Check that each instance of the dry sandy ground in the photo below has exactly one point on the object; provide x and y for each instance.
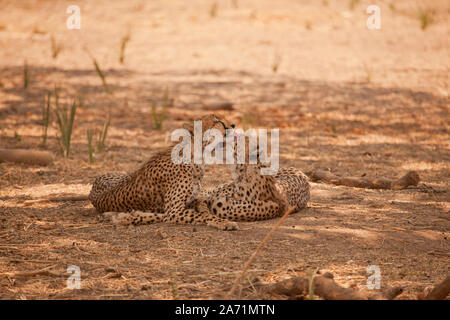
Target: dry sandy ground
(348, 99)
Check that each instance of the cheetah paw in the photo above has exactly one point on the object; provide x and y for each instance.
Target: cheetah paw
(119, 217)
(109, 214)
(231, 225)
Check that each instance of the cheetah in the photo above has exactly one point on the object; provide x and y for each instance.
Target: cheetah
(252, 196)
(159, 190)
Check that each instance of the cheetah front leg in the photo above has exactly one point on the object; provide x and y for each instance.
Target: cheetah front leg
(134, 218)
(197, 176)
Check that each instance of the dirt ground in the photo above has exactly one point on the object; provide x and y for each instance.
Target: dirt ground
(346, 99)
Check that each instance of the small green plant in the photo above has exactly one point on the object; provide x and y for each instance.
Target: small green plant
(17, 136)
(352, 4)
(101, 139)
(368, 73)
(90, 146)
(311, 285)
(102, 135)
(102, 76)
(249, 120)
(158, 118)
(46, 116)
(80, 99)
(308, 25)
(66, 119)
(426, 17)
(26, 75)
(276, 63)
(213, 10)
(56, 47)
(123, 45)
(57, 91)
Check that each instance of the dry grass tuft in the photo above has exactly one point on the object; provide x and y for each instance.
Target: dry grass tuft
(426, 17)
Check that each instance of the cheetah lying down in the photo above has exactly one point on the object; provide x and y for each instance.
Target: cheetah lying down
(252, 196)
(252, 200)
(159, 189)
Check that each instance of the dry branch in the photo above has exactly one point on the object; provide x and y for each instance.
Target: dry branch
(41, 272)
(441, 291)
(409, 179)
(255, 253)
(26, 156)
(58, 199)
(324, 287)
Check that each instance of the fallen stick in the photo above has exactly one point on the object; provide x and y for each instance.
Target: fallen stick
(324, 287)
(409, 179)
(26, 156)
(441, 291)
(59, 199)
(255, 253)
(41, 272)
(28, 260)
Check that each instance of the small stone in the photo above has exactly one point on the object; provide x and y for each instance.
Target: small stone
(162, 234)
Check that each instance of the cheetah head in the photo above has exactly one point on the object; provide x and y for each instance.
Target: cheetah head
(218, 124)
(211, 121)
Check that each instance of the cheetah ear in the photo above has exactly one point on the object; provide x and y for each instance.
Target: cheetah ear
(189, 126)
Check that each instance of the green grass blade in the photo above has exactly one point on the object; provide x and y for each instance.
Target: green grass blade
(46, 116)
(103, 134)
(26, 75)
(102, 76)
(66, 119)
(91, 149)
(123, 46)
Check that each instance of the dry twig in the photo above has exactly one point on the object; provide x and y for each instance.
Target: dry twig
(41, 272)
(409, 179)
(26, 156)
(253, 256)
(324, 287)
